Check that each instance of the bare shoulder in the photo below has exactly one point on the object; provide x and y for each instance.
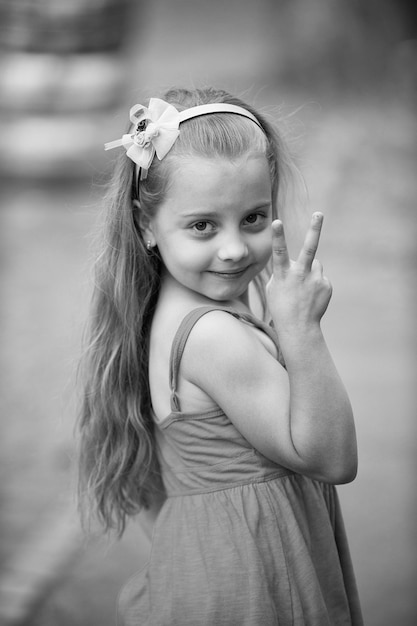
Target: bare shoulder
(214, 327)
(222, 342)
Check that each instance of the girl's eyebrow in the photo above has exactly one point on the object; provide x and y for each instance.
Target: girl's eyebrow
(217, 212)
(200, 213)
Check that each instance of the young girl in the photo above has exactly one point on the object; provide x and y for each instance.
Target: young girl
(211, 400)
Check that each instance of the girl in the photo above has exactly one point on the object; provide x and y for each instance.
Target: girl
(211, 400)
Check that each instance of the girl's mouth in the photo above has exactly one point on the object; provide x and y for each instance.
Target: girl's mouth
(235, 273)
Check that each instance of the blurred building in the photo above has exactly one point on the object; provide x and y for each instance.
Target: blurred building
(64, 64)
(62, 73)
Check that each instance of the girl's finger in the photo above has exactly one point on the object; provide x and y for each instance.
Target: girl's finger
(311, 242)
(280, 256)
(317, 267)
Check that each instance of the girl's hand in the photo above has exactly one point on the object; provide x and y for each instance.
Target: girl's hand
(298, 294)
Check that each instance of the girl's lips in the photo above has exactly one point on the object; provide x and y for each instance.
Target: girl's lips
(229, 273)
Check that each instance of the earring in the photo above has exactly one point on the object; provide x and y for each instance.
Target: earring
(149, 245)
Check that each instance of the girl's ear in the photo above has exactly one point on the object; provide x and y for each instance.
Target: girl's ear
(144, 224)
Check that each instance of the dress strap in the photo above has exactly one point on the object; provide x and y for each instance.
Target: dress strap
(183, 333)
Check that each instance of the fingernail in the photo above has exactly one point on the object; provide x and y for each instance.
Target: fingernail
(317, 216)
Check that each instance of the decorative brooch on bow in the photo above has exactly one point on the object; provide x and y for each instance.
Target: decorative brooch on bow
(155, 130)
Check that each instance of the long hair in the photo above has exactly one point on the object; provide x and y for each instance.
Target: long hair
(118, 466)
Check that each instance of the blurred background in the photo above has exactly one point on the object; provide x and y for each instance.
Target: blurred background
(344, 73)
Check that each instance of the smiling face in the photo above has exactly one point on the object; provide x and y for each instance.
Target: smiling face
(213, 230)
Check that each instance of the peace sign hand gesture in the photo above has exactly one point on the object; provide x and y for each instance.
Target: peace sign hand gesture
(298, 294)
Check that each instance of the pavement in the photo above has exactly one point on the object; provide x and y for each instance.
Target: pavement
(358, 162)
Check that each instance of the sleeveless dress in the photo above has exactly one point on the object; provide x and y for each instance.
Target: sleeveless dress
(240, 540)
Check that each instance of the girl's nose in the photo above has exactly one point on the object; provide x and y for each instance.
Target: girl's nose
(232, 248)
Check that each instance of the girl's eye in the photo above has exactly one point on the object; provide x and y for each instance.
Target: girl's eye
(203, 227)
(255, 219)
(200, 226)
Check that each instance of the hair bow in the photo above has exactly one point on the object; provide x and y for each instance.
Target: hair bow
(155, 130)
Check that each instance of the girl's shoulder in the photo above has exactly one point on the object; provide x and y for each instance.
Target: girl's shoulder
(188, 343)
(225, 333)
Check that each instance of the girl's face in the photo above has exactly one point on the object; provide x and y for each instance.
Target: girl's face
(213, 230)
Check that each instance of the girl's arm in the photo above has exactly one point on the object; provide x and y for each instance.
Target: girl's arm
(298, 296)
(300, 417)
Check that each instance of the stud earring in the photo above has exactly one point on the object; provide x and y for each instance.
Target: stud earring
(149, 246)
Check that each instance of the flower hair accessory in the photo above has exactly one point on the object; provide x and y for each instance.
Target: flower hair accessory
(156, 129)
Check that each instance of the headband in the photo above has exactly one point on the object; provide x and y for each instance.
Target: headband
(156, 129)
